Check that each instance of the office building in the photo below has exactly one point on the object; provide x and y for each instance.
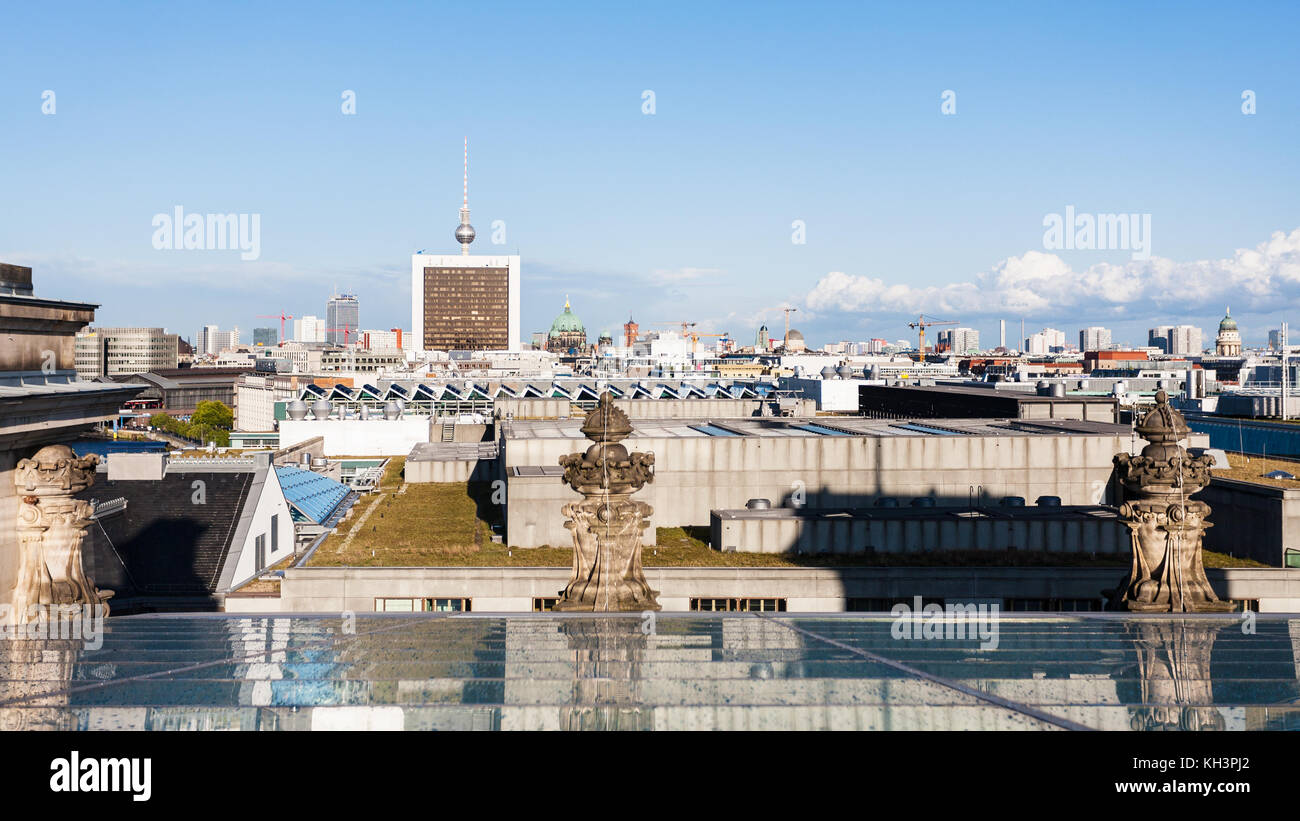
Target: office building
(212, 340)
(959, 340)
(1185, 340)
(342, 318)
(1046, 341)
(1094, 339)
(379, 340)
(309, 329)
(117, 351)
(267, 337)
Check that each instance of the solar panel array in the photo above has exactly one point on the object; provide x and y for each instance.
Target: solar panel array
(310, 494)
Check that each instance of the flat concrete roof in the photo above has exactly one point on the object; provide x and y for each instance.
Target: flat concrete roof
(818, 426)
(1019, 395)
(452, 451)
(1054, 513)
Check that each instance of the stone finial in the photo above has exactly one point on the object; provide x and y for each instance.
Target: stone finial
(1166, 527)
(607, 524)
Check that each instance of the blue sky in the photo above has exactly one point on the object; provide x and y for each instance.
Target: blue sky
(764, 114)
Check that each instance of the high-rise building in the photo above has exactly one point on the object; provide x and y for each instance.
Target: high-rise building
(1094, 339)
(1002, 333)
(1046, 341)
(342, 318)
(464, 302)
(1275, 339)
(309, 329)
(380, 340)
(960, 340)
(267, 337)
(212, 340)
(1183, 340)
(1158, 337)
(117, 351)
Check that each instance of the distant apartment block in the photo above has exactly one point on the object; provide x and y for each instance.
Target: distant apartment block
(377, 340)
(118, 351)
(1179, 340)
(960, 340)
(1094, 339)
(212, 340)
(1046, 341)
(309, 329)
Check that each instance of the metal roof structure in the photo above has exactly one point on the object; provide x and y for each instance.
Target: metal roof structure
(310, 495)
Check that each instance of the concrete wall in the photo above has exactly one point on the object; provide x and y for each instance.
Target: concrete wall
(532, 408)
(358, 437)
(694, 476)
(448, 470)
(789, 531)
(502, 589)
(1252, 521)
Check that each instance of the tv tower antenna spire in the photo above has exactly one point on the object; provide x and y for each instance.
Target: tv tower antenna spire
(465, 233)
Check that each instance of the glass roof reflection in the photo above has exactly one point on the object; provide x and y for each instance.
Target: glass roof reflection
(675, 672)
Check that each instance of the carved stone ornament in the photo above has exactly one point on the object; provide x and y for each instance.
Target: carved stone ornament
(1166, 526)
(607, 524)
(51, 527)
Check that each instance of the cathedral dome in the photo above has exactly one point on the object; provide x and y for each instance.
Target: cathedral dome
(1227, 323)
(567, 323)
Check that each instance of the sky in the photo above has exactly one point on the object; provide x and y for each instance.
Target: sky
(862, 163)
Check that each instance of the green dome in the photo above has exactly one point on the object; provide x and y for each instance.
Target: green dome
(1227, 323)
(567, 323)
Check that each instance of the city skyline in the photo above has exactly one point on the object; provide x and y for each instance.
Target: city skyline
(668, 204)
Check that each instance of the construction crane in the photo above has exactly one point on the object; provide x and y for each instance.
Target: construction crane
(686, 326)
(282, 316)
(921, 324)
(695, 338)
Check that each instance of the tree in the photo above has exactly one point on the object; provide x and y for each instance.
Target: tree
(213, 414)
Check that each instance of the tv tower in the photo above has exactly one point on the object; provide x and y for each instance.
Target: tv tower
(465, 233)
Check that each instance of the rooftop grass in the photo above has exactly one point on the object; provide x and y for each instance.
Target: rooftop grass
(1252, 469)
(441, 525)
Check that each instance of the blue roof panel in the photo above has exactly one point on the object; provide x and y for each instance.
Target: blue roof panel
(312, 495)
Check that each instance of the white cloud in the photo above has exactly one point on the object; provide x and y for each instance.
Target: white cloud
(1264, 277)
(683, 274)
